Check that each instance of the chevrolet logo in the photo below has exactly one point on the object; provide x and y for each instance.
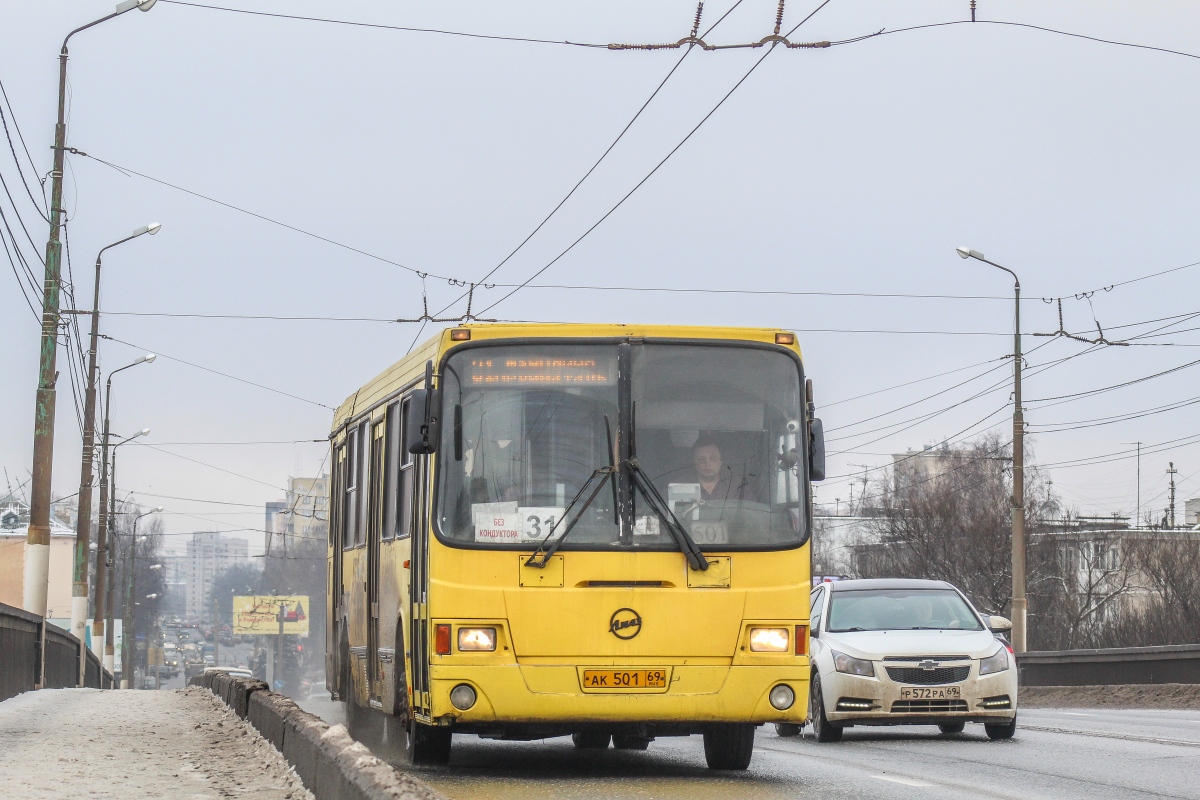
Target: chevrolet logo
(928, 664)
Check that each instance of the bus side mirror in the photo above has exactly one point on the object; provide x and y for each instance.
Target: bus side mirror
(421, 418)
(816, 450)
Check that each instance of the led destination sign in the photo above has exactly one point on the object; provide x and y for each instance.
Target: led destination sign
(537, 370)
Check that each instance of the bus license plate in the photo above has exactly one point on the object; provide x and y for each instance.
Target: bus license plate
(600, 679)
(928, 693)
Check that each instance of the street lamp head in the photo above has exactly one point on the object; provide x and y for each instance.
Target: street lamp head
(142, 432)
(157, 510)
(966, 252)
(154, 566)
(151, 229)
(151, 596)
(146, 359)
(141, 5)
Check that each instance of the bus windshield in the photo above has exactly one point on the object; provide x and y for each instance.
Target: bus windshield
(712, 429)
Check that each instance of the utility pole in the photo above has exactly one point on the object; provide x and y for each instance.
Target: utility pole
(1171, 471)
(37, 540)
(279, 650)
(1019, 606)
(83, 527)
(216, 632)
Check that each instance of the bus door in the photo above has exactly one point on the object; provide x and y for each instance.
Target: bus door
(418, 592)
(375, 678)
(333, 608)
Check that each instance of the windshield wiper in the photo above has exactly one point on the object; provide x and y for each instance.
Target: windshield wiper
(691, 551)
(608, 473)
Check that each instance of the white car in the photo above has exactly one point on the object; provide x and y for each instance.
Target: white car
(907, 652)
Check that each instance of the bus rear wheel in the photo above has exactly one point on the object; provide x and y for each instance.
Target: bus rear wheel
(426, 745)
(590, 740)
(629, 742)
(729, 745)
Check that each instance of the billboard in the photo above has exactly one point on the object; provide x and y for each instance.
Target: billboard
(260, 614)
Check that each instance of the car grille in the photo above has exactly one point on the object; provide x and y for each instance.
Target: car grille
(929, 677)
(927, 658)
(928, 706)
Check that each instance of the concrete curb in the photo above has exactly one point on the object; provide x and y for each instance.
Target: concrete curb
(331, 764)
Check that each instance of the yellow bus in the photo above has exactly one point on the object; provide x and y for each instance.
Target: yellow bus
(595, 531)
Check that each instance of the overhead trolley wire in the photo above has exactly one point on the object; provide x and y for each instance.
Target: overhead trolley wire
(218, 372)
(1042, 28)
(380, 26)
(603, 156)
(657, 166)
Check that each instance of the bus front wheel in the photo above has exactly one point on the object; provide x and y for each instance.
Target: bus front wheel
(729, 745)
(426, 745)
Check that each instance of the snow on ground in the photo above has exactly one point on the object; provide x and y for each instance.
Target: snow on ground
(73, 743)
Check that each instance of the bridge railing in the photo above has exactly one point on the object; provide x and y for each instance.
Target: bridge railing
(1178, 663)
(20, 637)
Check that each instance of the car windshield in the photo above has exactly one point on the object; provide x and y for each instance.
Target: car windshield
(900, 610)
(713, 430)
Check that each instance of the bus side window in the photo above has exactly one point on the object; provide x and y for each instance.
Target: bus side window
(362, 500)
(404, 479)
(350, 472)
(391, 469)
(336, 492)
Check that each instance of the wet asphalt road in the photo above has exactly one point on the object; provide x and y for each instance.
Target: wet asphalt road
(1067, 761)
(1084, 753)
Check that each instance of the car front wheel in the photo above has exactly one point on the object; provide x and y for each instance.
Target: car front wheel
(1002, 730)
(823, 729)
(952, 727)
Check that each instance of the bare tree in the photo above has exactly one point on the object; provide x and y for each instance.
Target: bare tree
(945, 515)
(1081, 581)
(1167, 610)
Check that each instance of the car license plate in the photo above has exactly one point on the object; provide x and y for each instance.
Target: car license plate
(930, 692)
(621, 679)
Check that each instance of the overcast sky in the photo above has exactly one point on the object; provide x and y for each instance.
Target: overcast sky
(852, 169)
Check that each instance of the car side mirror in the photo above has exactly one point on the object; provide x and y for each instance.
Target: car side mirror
(999, 624)
(816, 450)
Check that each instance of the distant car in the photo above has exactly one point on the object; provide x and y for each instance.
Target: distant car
(237, 672)
(907, 652)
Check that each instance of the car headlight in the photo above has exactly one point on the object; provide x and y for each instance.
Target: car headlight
(768, 640)
(476, 639)
(994, 663)
(852, 666)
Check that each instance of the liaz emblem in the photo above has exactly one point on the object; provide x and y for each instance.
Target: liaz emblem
(625, 623)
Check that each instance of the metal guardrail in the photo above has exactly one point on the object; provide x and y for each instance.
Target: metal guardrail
(1178, 663)
(20, 634)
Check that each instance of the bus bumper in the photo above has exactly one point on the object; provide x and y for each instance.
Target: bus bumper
(553, 694)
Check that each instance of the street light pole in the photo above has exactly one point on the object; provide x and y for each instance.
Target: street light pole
(128, 627)
(37, 550)
(102, 560)
(110, 658)
(1019, 606)
(83, 528)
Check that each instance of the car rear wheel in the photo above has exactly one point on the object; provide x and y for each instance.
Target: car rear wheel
(822, 728)
(952, 727)
(729, 745)
(589, 740)
(1003, 730)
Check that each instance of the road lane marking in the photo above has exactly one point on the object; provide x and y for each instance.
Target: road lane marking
(1105, 735)
(1077, 714)
(904, 781)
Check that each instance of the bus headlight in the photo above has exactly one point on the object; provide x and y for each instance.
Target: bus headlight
(768, 640)
(476, 640)
(782, 697)
(462, 697)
